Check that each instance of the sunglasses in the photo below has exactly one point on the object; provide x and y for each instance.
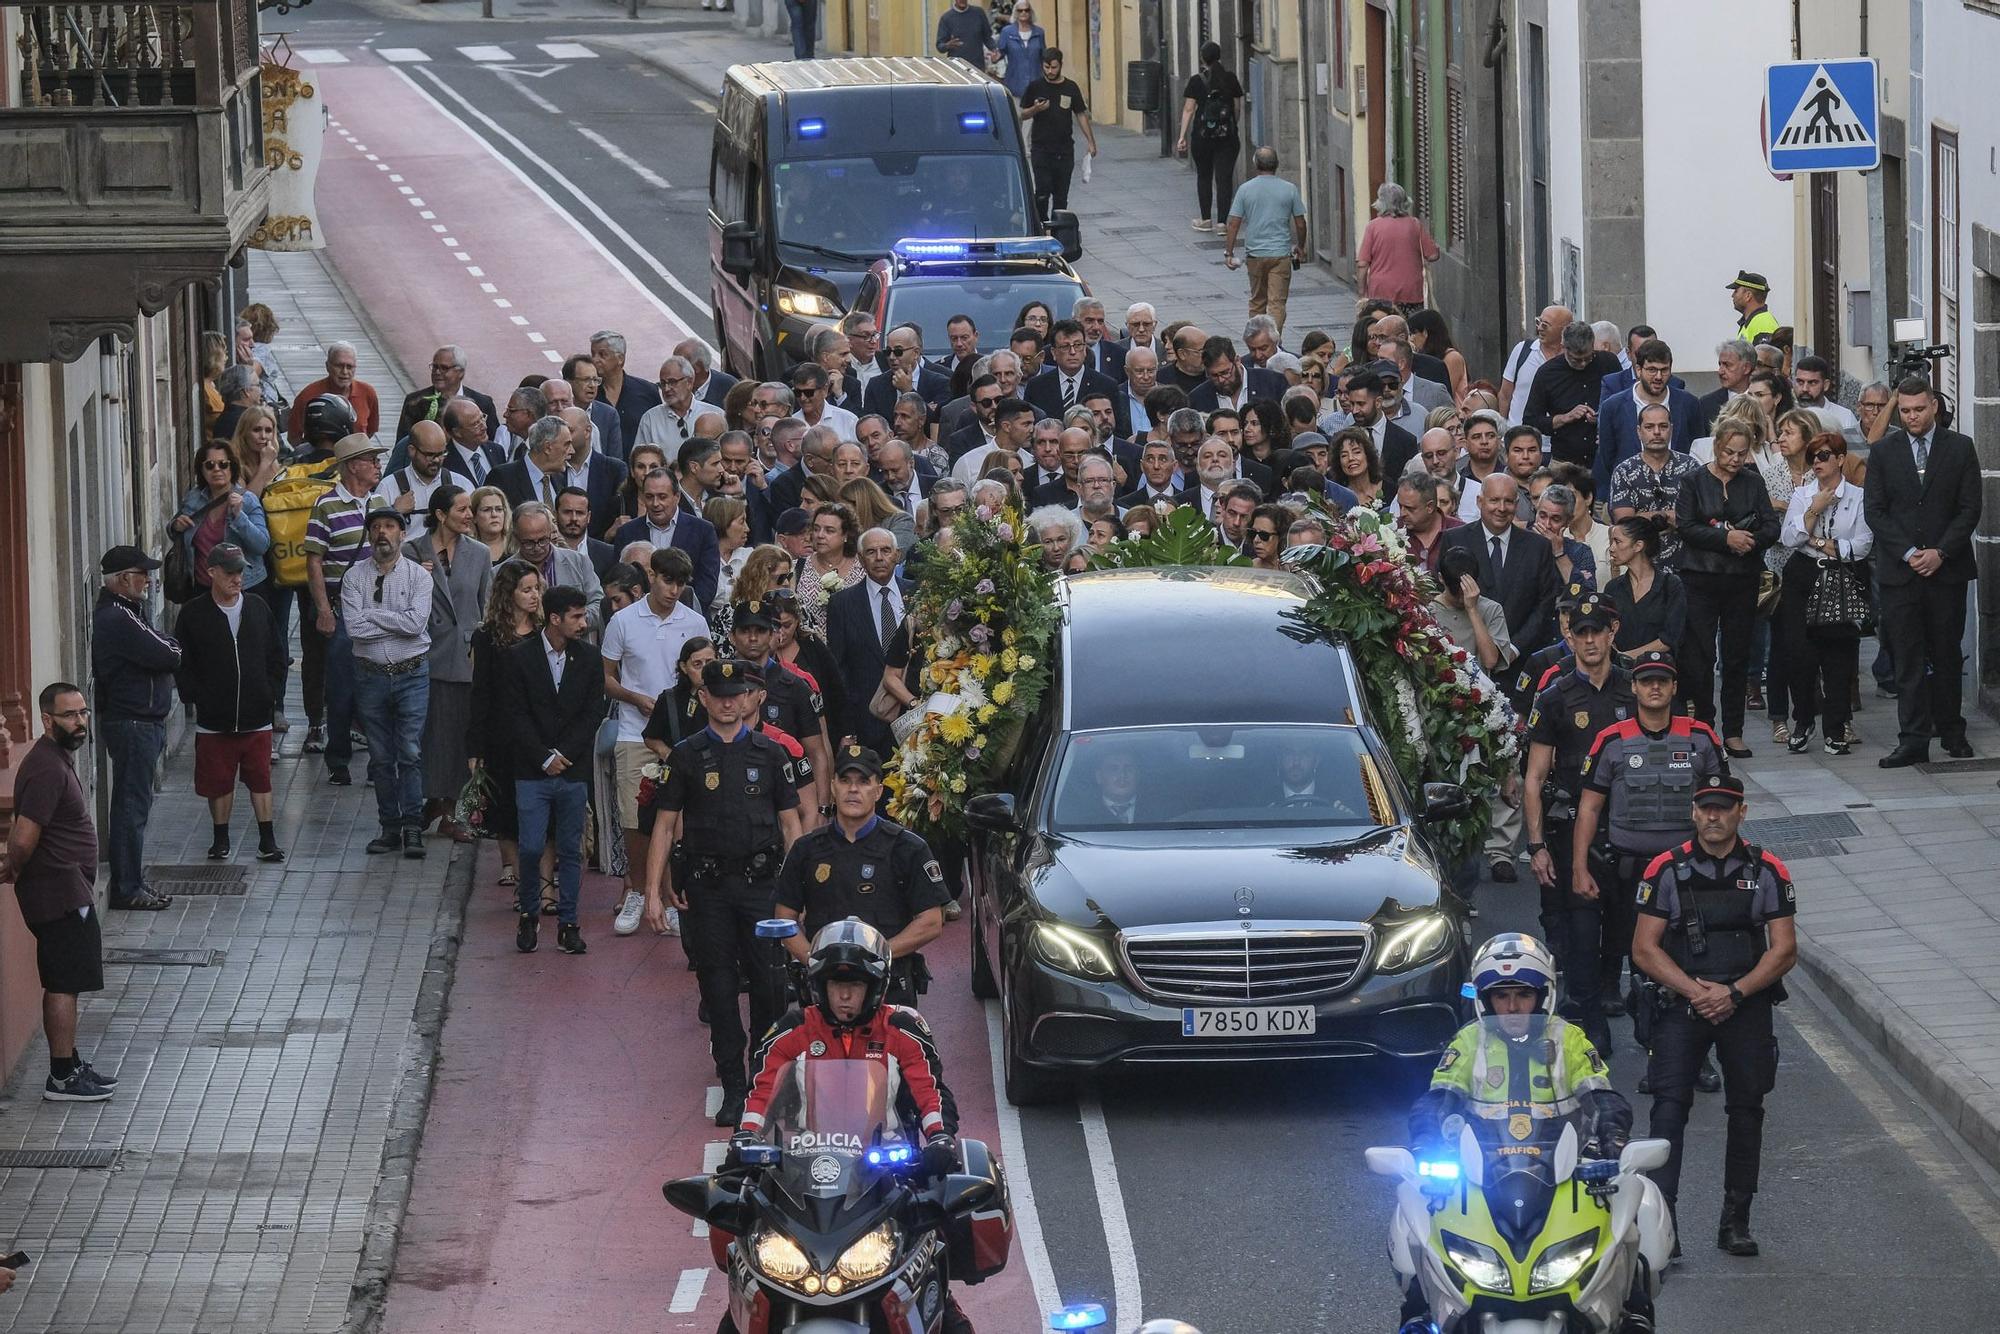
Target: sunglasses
(1263, 535)
(1822, 455)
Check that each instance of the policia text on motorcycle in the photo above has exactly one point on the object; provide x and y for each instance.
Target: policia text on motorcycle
(1715, 933)
(729, 798)
(863, 866)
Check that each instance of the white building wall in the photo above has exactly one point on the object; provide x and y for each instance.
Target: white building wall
(1961, 48)
(1565, 140)
(1711, 205)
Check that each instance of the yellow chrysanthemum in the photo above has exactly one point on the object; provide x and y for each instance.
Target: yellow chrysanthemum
(982, 665)
(955, 728)
(1003, 692)
(958, 783)
(1008, 637)
(987, 713)
(1009, 660)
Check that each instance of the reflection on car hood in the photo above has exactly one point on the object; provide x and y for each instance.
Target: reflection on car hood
(1152, 877)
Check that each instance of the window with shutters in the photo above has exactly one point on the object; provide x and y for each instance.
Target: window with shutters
(1420, 161)
(1454, 149)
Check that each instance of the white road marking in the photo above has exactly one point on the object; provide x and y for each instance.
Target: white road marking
(440, 228)
(552, 354)
(372, 158)
(1020, 1188)
(687, 1292)
(416, 202)
(449, 240)
(488, 288)
(1111, 1205)
(402, 55)
(522, 320)
(462, 258)
(567, 51)
(474, 269)
(427, 215)
(320, 55)
(503, 303)
(712, 1101)
(703, 105)
(396, 178)
(485, 53)
(536, 338)
(381, 166)
(638, 168)
(528, 93)
(695, 303)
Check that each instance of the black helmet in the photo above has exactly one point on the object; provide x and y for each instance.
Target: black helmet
(329, 417)
(849, 950)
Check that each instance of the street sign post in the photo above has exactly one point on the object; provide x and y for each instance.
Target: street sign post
(1822, 115)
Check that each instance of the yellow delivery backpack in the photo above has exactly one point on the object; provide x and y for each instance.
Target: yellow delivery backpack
(288, 504)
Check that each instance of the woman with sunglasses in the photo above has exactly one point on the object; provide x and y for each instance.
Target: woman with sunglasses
(1264, 540)
(1825, 530)
(219, 508)
(1021, 44)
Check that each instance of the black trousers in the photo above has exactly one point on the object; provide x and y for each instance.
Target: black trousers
(1619, 895)
(1573, 928)
(1747, 1051)
(1722, 605)
(1924, 621)
(1215, 175)
(1052, 172)
(312, 659)
(1821, 664)
(719, 927)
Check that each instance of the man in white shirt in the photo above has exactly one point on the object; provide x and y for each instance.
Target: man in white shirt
(642, 644)
(1013, 428)
(409, 488)
(809, 385)
(670, 424)
(386, 607)
(1528, 356)
(1810, 377)
(864, 341)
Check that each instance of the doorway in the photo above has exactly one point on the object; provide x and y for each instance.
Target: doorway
(1377, 89)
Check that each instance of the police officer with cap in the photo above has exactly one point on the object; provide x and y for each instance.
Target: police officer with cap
(1549, 661)
(1566, 718)
(789, 703)
(1716, 934)
(862, 865)
(1644, 771)
(729, 800)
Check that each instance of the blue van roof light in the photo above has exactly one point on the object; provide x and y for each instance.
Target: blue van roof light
(974, 122)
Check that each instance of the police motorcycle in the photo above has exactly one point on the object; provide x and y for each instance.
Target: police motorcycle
(833, 1226)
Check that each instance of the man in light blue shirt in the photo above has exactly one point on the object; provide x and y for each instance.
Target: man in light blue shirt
(1270, 216)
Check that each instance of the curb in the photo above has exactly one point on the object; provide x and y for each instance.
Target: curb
(411, 1106)
(1931, 1068)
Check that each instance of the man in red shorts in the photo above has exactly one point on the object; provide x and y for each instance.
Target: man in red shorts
(231, 662)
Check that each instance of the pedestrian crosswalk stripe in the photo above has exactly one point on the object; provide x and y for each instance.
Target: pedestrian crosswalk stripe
(402, 55)
(320, 55)
(485, 53)
(567, 51)
(687, 1291)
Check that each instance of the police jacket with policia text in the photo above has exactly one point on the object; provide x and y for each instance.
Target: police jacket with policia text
(1716, 908)
(1649, 780)
(1550, 1072)
(885, 876)
(894, 1037)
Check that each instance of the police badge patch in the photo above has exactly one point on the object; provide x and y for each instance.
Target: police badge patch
(1520, 1125)
(789, 777)
(714, 781)
(868, 870)
(1582, 719)
(751, 774)
(1450, 1059)
(935, 872)
(818, 1048)
(771, 712)
(823, 872)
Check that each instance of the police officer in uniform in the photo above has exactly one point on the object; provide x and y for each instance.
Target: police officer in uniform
(1716, 936)
(1644, 772)
(1549, 661)
(1566, 718)
(729, 801)
(864, 866)
(789, 703)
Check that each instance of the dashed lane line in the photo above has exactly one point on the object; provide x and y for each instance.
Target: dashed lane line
(1020, 1183)
(687, 1292)
(624, 159)
(1111, 1207)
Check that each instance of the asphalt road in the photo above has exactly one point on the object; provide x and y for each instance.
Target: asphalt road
(1236, 1197)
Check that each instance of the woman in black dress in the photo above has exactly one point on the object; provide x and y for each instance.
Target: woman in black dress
(1651, 602)
(513, 612)
(1726, 523)
(1211, 107)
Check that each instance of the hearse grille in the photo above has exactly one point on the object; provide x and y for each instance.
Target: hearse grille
(1250, 967)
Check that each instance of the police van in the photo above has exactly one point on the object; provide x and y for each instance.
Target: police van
(820, 166)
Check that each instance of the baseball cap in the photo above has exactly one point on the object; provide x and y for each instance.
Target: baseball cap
(751, 615)
(122, 558)
(1592, 613)
(1724, 791)
(858, 759)
(1385, 369)
(226, 556)
(726, 676)
(794, 521)
(1304, 440)
(1654, 662)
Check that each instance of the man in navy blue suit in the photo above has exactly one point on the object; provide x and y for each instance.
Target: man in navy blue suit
(473, 455)
(904, 372)
(1618, 414)
(1102, 353)
(589, 468)
(665, 524)
(573, 529)
(710, 386)
(1230, 383)
(860, 621)
(543, 471)
(1068, 380)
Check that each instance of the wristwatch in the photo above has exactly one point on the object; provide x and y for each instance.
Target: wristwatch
(1735, 996)
(1534, 848)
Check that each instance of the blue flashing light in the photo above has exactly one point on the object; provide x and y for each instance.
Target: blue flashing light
(777, 928)
(1438, 1171)
(974, 122)
(1078, 1315)
(1029, 245)
(812, 128)
(1468, 992)
(889, 1155)
(909, 248)
(1601, 1170)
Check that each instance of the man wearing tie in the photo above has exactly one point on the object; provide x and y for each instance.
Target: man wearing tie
(544, 472)
(860, 622)
(473, 456)
(1101, 352)
(1117, 799)
(1922, 502)
(1516, 569)
(1069, 381)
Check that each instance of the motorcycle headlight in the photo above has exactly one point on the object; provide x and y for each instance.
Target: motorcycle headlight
(810, 305)
(868, 1258)
(1413, 942)
(1478, 1262)
(1562, 1262)
(1072, 951)
(780, 1257)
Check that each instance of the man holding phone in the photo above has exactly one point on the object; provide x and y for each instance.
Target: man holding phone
(1562, 402)
(1056, 107)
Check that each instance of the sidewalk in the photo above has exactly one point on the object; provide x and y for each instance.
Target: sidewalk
(1137, 244)
(267, 1033)
(1899, 908)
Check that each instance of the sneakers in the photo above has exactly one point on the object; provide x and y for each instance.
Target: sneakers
(82, 1085)
(626, 920)
(674, 925)
(219, 852)
(339, 776)
(568, 939)
(1800, 739)
(528, 936)
(389, 840)
(1835, 746)
(315, 740)
(109, 1081)
(413, 843)
(144, 901)
(273, 853)
(1202, 225)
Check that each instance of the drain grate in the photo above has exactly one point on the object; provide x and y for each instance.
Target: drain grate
(1960, 767)
(59, 1157)
(198, 879)
(166, 958)
(1799, 828)
(1805, 849)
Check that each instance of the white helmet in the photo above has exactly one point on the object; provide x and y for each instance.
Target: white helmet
(1513, 959)
(1168, 1327)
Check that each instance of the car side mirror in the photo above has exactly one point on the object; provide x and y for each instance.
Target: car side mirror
(739, 249)
(993, 812)
(1063, 225)
(1445, 801)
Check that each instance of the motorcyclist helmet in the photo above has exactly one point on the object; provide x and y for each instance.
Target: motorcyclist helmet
(1513, 959)
(328, 417)
(849, 950)
(1168, 1327)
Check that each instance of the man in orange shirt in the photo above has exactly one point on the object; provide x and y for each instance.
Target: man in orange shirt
(339, 380)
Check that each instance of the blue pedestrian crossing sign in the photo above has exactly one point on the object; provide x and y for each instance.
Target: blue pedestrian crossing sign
(1822, 115)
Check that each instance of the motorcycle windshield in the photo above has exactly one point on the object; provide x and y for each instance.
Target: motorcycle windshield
(826, 1117)
(1519, 1098)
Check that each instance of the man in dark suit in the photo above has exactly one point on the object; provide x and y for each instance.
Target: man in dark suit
(859, 623)
(573, 513)
(544, 471)
(904, 372)
(665, 524)
(1393, 445)
(552, 697)
(1520, 573)
(1067, 381)
(601, 475)
(472, 456)
(1230, 382)
(710, 386)
(1922, 502)
(1735, 363)
(1101, 352)
(447, 383)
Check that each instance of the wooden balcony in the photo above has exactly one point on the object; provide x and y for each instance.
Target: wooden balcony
(131, 163)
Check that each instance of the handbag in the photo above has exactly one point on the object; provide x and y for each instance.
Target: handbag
(1839, 599)
(1770, 587)
(884, 706)
(177, 579)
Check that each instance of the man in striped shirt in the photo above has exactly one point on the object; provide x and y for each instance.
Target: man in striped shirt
(335, 543)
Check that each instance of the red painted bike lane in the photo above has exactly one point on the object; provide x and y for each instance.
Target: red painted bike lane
(442, 243)
(568, 1090)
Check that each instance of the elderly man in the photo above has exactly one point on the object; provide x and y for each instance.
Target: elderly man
(1142, 376)
(1214, 464)
(1423, 521)
(525, 407)
(334, 544)
(898, 472)
(447, 383)
(860, 622)
(1260, 340)
(710, 386)
(1007, 371)
(590, 471)
(1073, 445)
(630, 397)
(339, 380)
(473, 455)
(544, 471)
(906, 372)
(1516, 568)
(663, 523)
(535, 542)
(1096, 489)
(1155, 483)
(1102, 353)
(1141, 321)
(810, 384)
(580, 373)
(864, 345)
(386, 608)
(1183, 367)
(1735, 363)
(134, 667)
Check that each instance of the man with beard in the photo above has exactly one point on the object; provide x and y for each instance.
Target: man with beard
(1214, 464)
(409, 488)
(573, 531)
(386, 607)
(51, 860)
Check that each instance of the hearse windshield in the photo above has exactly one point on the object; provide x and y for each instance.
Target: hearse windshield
(855, 208)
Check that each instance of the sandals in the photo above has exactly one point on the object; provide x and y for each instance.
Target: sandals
(1780, 733)
(550, 899)
(509, 877)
